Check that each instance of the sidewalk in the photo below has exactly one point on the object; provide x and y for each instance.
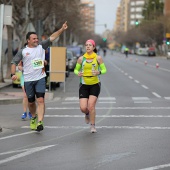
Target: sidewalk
(15, 97)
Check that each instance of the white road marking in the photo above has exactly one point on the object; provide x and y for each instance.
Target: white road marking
(167, 98)
(155, 94)
(70, 102)
(105, 127)
(107, 98)
(145, 87)
(112, 116)
(137, 81)
(141, 100)
(157, 167)
(130, 77)
(108, 102)
(21, 134)
(111, 108)
(21, 155)
(71, 98)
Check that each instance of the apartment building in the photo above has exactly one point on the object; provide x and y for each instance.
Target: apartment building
(124, 15)
(88, 12)
(117, 24)
(135, 12)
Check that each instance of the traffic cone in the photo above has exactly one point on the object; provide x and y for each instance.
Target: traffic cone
(157, 65)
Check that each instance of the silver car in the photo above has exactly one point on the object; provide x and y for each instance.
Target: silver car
(72, 60)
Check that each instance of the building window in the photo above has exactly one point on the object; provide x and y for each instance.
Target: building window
(139, 9)
(132, 9)
(140, 2)
(132, 16)
(132, 3)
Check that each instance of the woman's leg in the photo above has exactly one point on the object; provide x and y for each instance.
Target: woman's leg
(25, 100)
(91, 107)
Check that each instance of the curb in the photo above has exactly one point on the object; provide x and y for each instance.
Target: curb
(10, 101)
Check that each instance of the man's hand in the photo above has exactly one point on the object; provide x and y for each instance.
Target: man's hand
(64, 27)
(14, 77)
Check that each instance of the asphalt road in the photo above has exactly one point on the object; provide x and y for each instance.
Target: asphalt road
(133, 123)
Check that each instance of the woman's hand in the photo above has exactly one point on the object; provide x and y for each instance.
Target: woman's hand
(80, 74)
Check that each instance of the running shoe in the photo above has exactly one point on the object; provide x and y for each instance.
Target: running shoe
(24, 115)
(40, 126)
(29, 115)
(33, 123)
(87, 118)
(93, 129)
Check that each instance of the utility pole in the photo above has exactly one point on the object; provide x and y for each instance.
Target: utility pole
(1, 33)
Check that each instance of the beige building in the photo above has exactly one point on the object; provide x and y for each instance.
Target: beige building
(88, 12)
(124, 15)
(118, 20)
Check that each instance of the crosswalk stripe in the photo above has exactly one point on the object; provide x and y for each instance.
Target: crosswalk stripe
(105, 127)
(141, 100)
(111, 108)
(112, 116)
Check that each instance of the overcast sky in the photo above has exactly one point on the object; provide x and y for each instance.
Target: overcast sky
(105, 14)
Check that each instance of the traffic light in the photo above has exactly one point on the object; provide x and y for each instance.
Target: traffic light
(136, 22)
(104, 39)
(168, 41)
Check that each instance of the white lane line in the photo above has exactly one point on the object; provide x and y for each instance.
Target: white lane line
(113, 108)
(157, 167)
(112, 116)
(25, 153)
(107, 98)
(105, 127)
(71, 98)
(167, 98)
(155, 94)
(136, 81)
(145, 87)
(108, 102)
(130, 77)
(126, 74)
(141, 100)
(70, 102)
(21, 134)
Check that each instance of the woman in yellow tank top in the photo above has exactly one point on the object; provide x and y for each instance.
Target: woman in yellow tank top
(89, 67)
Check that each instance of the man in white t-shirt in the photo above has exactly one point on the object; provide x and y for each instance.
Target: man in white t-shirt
(33, 58)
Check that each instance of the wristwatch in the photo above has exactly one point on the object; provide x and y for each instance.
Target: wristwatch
(12, 75)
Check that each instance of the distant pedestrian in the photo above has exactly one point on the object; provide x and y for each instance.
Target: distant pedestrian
(126, 52)
(33, 58)
(89, 67)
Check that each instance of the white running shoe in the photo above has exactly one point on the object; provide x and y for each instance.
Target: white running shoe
(93, 129)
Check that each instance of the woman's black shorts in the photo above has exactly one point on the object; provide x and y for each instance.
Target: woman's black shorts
(86, 90)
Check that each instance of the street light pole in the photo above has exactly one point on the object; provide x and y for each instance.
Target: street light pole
(1, 32)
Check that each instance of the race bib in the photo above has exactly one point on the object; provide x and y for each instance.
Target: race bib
(37, 63)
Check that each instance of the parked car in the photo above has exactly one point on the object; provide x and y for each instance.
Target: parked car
(151, 51)
(67, 67)
(168, 54)
(72, 59)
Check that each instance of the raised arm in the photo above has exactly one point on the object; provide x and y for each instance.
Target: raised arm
(57, 33)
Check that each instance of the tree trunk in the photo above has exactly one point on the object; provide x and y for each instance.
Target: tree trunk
(10, 51)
